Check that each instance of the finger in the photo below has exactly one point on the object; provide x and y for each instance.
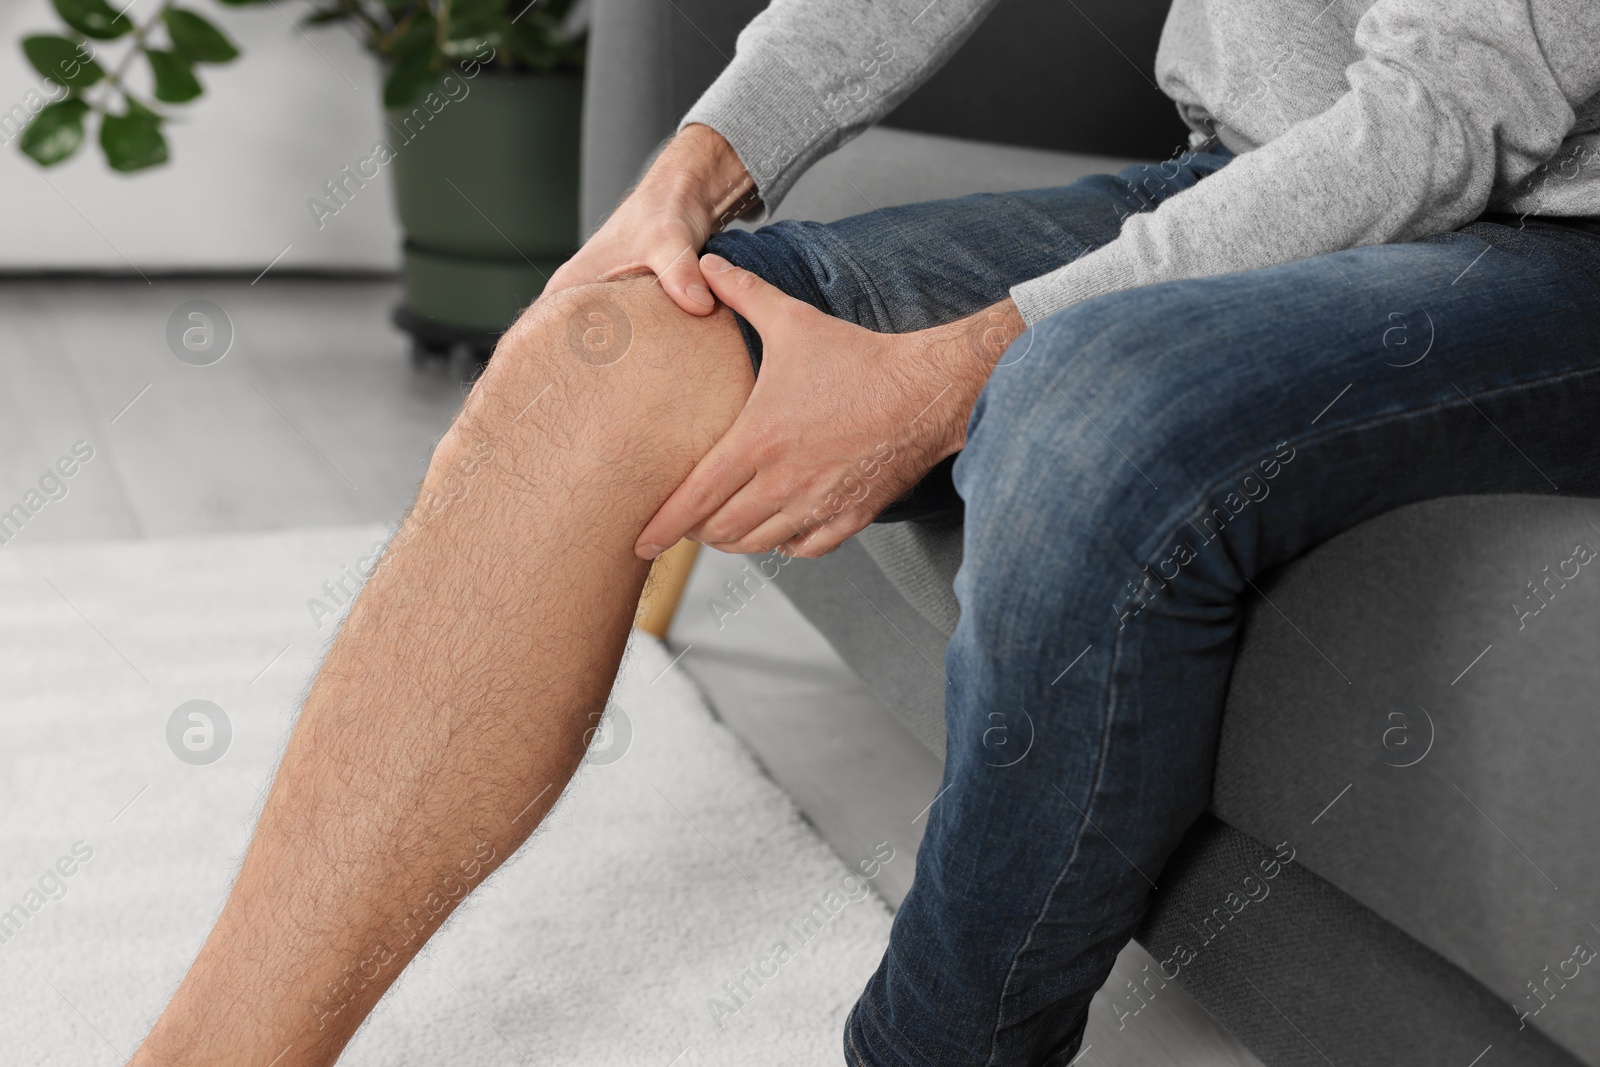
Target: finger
(580, 270)
(821, 532)
(746, 293)
(753, 504)
(714, 479)
(764, 537)
(567, 275)
(823, 539)
(683, 282)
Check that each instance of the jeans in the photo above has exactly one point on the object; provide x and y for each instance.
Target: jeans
(1134, 463)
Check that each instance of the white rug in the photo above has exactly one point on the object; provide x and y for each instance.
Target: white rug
(609, 939)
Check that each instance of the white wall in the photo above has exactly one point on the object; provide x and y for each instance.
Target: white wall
(272, 127)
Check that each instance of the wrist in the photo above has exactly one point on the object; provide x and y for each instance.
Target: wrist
(979, 342)
(969, 351)
(963, 353)
(699, 169)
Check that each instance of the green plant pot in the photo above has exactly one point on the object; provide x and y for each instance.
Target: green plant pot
(486, 181)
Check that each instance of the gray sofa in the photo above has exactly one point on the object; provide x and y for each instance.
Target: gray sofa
(1425, 746)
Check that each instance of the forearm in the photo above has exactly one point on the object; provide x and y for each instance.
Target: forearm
(809, 75)
(1416, 147)
(968, 350)
(955, 361)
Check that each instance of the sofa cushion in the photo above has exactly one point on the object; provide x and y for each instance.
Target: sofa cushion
(885, 167)
(1450, 785)
(1306, 976)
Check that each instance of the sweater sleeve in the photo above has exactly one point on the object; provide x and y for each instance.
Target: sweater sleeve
(1448, 99)
(809, 75)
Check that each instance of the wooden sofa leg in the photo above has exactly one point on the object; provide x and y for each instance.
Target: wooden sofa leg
(668, 577)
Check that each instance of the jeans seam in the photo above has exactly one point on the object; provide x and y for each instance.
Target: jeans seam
(873, 1008)
(850, 1042)
(1109, 713)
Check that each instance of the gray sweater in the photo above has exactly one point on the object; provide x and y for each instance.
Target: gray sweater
(1358, 122)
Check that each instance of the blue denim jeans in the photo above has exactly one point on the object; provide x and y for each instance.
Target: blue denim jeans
(1132, 466)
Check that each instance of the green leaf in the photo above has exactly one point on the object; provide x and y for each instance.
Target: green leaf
(132, 142)
(479, 21)
(197, 40)
(62, 61)
(94, 18)
(55, 133)
(175, 80)
(407, 78)
(539, 43)
(326, 17)
(138, 110)
(418, 36)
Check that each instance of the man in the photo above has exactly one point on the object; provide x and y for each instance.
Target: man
(1159, 384)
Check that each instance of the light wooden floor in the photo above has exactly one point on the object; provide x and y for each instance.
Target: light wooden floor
(315, 417)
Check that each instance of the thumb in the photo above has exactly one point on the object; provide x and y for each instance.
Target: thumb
(683, 283)
(743, 291)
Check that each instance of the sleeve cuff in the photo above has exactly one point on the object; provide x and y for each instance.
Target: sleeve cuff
(1105, 270)
(772, 118)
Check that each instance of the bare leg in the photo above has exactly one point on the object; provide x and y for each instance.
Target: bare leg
(452, 708)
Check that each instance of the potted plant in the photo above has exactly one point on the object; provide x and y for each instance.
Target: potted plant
(482, 97)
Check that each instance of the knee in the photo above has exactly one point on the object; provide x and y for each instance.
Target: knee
(591, 325)
(1109, 426)
(577, 340)
(604, 370)
(1076, 408)
(1174, 374)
